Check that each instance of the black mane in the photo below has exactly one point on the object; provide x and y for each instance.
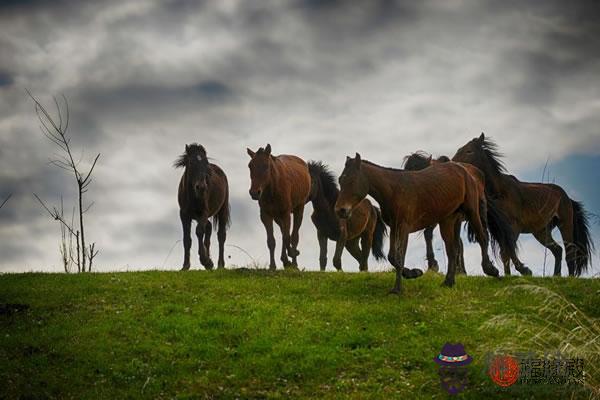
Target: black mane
(320, 170)
(417, 161)
(193, 149)
(490, 148)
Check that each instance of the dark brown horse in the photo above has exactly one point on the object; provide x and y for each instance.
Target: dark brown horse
(416, 162)
(410, 201)
(281, 184)
(535, 208)
(203, 193)
(364, 226)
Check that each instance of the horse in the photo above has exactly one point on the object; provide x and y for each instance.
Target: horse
(281, 185)
(535, 208)
(365, 225)
(203, 193)
(410, 201)
(416, 162)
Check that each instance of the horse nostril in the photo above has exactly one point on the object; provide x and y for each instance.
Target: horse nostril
(343, 212)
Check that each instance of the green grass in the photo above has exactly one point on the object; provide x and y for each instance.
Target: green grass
(256, 334)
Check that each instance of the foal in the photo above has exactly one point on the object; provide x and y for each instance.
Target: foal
(203, 193)
(281, 184)
(365, 225)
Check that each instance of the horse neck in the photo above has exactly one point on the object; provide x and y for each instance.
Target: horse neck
(492, 179)
(276, 172)
(321, 204)
(381, 181)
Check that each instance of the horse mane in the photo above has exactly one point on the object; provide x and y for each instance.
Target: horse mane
(193, 149)
(322, 171)
(379, 166)
(417, 161)
(490, 148)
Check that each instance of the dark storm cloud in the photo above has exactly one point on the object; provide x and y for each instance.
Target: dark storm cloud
(320, 79)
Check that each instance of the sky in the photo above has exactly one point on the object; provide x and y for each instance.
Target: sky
(318, 79)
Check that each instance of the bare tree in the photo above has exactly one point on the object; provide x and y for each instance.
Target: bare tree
(5, 200)
(55, 129)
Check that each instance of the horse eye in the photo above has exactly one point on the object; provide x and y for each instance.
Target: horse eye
(199, 158)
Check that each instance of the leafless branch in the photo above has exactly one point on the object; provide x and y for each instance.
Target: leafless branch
(5, 200)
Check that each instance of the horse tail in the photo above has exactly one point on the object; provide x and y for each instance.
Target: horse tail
(378, 235)
(496, 222)
(224, 214)
(581, 238)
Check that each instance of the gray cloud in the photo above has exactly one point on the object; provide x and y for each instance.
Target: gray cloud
(320, 79)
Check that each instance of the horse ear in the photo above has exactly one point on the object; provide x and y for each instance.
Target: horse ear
(357, 157)
(268, 149)
(482, 137)
(187, 148)
(250, 152)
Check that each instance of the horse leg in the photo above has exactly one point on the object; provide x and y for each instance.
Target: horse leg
(398, 244)
(221, 236)
(284, 225)
(566, 231)
(460, 257)
(366, 241)
(186, 223)
(519, 266)
(448, 232)
(505, 261)
(267, 221)
(545, 238)
(207, 235)
(340, 244)
(474, 217)
(202, 251)
(322, 249)
(354, 250)
(295, 238)
(432, 264)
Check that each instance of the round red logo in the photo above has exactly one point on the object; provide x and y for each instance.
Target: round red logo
(504, 370)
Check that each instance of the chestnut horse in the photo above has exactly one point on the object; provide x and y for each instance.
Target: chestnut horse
(416, 162)
(365, 225)
(410, 201)
(281, 184)
(535, 208)
(203, 193)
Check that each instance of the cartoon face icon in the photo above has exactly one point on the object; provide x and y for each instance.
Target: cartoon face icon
(453, 372)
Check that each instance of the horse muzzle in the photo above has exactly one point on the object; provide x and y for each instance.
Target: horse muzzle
(343, 212)
(255, 194)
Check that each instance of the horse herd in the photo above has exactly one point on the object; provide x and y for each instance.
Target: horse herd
(472, 187)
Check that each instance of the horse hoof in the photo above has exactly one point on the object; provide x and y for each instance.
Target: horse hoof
(447, 283)
(492, 271)
(525, 271)
(433, 267)
(185, 268)
(272, 267)
(395, 291)
(408, 273)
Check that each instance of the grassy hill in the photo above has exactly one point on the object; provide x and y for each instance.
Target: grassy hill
(255, 334)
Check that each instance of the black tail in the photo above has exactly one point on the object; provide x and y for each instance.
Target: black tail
(501, 233)
(224, 214)
(581, 238)
(378, 235)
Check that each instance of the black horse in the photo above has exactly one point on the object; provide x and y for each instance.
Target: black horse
(203, 193)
